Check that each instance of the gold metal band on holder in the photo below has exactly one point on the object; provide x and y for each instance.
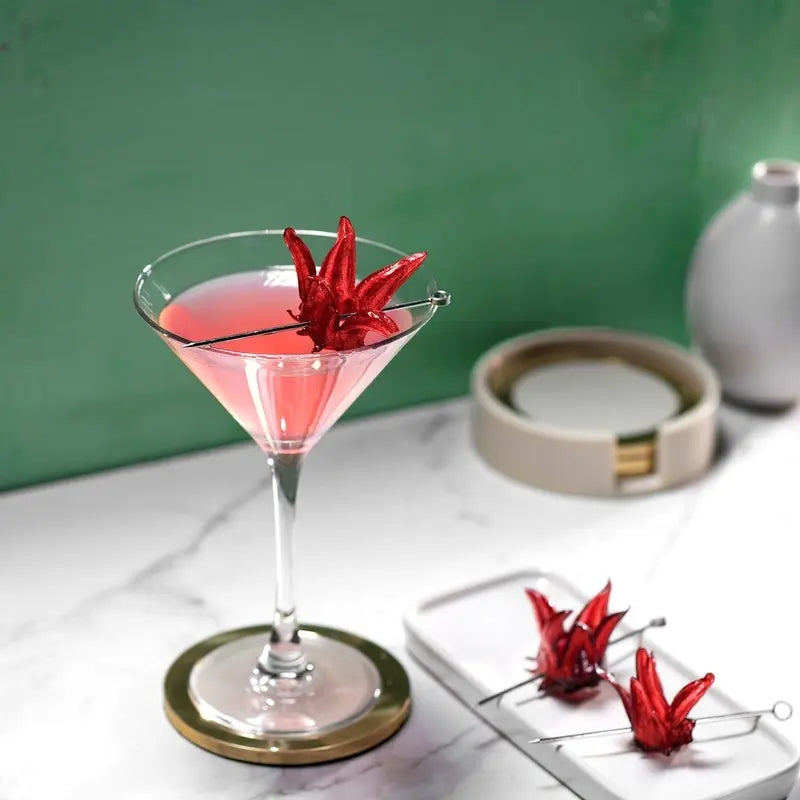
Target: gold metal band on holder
(380, 722)
(678, 449)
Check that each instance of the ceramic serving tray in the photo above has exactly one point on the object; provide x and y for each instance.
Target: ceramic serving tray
(475, 641)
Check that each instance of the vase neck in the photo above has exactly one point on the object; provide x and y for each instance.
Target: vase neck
(776, 182)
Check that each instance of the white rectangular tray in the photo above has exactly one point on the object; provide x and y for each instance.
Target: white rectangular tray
(474, 640)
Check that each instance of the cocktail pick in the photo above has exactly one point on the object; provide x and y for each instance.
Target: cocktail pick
(781, 711)
(569, 658)
(659, 726)
(437, 298)
(498, 695)
(656, 622)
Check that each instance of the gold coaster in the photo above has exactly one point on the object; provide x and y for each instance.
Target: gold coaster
(384, 719)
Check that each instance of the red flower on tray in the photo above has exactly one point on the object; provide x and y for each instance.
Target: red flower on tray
(570, 658)
(659, 726)
(340, 312)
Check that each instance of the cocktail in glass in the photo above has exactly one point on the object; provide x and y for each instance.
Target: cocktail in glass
(282, 693)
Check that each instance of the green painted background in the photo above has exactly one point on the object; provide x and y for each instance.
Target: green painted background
(556, 157)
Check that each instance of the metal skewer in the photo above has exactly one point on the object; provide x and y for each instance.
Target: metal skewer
(439, 298)
(508, 689)
(780, 711)
(657, 622)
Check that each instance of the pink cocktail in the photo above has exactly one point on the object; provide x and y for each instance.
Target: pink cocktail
(284, 396)
(285, 693)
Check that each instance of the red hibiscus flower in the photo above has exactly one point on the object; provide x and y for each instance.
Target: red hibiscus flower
(659, 726)
(340, 312)
(570, 657)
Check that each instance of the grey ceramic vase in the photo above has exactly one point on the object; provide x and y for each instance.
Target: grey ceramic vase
(743, 294)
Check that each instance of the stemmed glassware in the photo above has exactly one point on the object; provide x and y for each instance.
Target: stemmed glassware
(283, 693)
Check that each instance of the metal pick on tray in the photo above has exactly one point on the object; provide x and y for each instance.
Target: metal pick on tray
(657, 622)
(780, 711)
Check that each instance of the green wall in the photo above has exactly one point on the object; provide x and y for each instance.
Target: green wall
(556, 157)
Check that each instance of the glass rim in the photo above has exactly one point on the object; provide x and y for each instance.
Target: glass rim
(146, 272)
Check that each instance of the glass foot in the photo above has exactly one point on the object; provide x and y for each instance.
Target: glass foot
(337, 686)
(353, 696)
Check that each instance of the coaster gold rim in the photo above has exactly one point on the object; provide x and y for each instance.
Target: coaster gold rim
(383, 720)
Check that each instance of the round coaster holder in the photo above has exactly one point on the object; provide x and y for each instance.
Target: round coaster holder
(678, 449)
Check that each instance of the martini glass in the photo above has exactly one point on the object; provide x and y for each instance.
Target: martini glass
(282, 693)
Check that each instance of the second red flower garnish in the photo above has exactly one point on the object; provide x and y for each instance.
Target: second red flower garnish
(570, 657)
(659, 726)
(340, 312)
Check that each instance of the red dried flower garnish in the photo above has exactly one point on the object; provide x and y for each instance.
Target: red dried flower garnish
(659, 726)
(333, 292)
(570, 658)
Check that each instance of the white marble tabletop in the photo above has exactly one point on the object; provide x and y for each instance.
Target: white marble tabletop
(103, 580)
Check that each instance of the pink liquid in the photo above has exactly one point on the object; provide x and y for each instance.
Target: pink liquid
(281, 393)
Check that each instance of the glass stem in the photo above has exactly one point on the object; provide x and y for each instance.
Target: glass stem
(284, 656)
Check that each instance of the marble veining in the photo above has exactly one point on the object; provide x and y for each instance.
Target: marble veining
(103, 580)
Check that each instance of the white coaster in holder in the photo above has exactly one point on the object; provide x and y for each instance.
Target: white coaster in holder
(475, 640)
(595, 411)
